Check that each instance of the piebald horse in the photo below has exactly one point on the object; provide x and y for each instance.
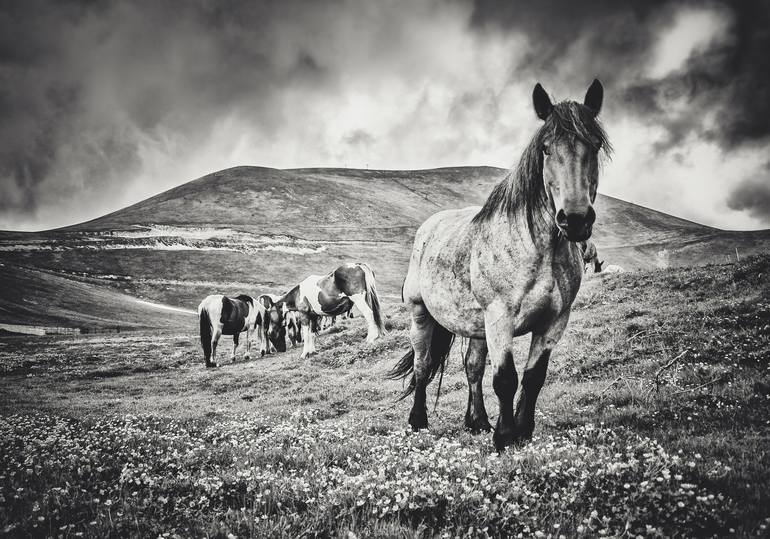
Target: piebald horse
(293, 327)
(271, 325)
(590, 256)
(511, 267)
(219, 315)
(331, 295)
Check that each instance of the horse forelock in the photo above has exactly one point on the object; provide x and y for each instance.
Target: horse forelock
(522, 192)
(570, 121)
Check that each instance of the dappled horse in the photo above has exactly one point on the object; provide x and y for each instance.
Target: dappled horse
(219, 315)
(271, 325)
(331, 295)
(506, 269)
(590, 256)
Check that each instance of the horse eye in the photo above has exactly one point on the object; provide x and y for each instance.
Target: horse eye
(546, 150)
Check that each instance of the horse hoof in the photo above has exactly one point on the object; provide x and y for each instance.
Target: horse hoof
(418, 421)
(505, 439)
(478, 426)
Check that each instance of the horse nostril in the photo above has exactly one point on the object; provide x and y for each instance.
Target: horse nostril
(590, 216)
(561, 218)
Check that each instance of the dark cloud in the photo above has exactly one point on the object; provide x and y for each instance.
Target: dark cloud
(753, 195)
(615, 39)
(83, 84)
(101, 100)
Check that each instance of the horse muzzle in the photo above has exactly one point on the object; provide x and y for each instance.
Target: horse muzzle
(279, 341)
(576, 226)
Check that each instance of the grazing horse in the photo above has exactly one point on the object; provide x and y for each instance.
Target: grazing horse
(590, 256)
(219, 315)
(333, 294)
(273, 330)
(293, 327)
(506, 269)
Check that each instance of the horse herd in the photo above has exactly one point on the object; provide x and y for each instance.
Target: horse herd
(297, 315)
(489, 274)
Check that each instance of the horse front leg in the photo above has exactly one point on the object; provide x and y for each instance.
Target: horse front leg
(308, 335)
(505, 380)
(249, 336)
(543, 343)
(476, 419)
(262, 338)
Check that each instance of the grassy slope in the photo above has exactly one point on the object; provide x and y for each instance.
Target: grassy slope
(32, 296)
(679, 358)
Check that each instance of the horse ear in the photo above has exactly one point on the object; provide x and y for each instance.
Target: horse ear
(542, 102)
(594, 97)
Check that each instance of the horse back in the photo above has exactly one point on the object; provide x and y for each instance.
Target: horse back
(235, 312)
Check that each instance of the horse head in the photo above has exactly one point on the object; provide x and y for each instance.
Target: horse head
(276, 330)
(569, 142)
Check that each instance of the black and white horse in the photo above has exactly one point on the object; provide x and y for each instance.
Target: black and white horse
(272, 329)
(334, 294)
(219, 315)
(293, 327)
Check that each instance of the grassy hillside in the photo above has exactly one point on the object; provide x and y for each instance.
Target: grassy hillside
(32, 296)
(254, 229)
(653, 422)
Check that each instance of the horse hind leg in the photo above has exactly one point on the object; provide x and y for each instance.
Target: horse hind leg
(430, 347)
(217, 333)
(236, 339)
(359, 300)
(476, 419)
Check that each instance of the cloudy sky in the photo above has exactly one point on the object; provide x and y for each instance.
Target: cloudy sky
(106, 103)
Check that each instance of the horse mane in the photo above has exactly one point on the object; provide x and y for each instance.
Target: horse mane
(522, 190)
(246, 299)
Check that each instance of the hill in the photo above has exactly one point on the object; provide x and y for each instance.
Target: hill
(256, 229)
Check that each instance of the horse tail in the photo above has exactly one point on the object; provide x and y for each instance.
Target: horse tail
(372, 299)
(205, 325)
(440, 346)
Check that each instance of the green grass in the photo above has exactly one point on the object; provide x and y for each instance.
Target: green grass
(654, 421)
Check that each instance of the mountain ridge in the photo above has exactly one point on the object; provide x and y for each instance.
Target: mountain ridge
(272, 227)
